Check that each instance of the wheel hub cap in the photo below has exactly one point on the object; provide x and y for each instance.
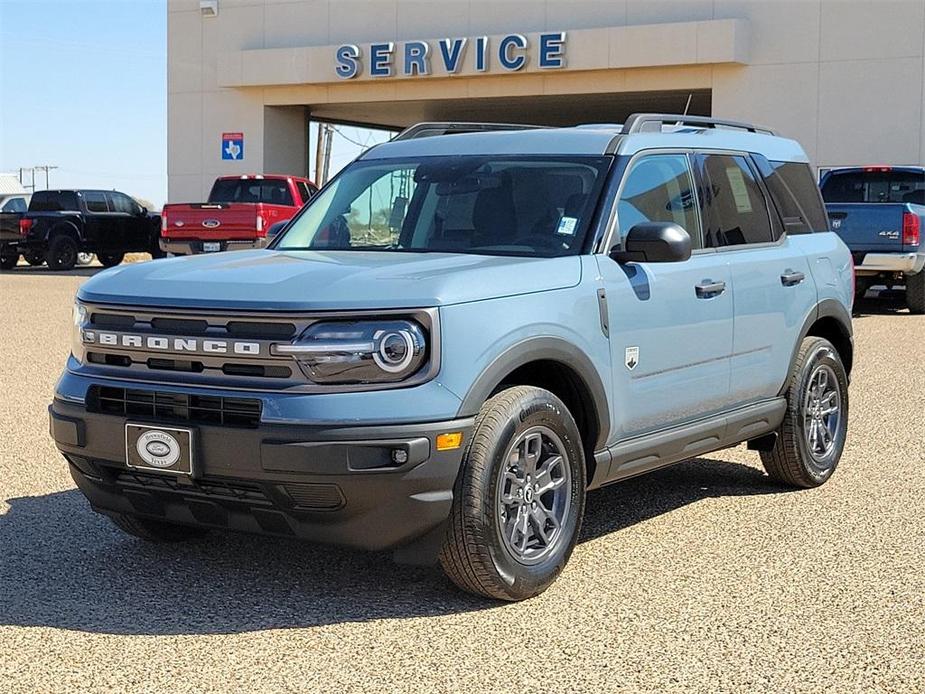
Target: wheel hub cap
(534, 495)
(821, 412)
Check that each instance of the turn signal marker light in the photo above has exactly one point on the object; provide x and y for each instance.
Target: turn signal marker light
(450, 441)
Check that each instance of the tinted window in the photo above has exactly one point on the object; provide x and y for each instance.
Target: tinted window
(735, 211)
(95, 202)
(54, 201)
(251, 190)
(14, 205)
(528, 206)
(121, 202)
(659, 188)
(875, 186)
(795, 194)
(304, 191)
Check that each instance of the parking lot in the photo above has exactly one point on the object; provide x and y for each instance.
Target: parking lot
(702, 576)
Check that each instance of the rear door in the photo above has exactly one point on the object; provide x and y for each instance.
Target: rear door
(102, 227)
(774, 290)
(670, 323)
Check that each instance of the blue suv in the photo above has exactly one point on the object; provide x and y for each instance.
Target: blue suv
(462, 333)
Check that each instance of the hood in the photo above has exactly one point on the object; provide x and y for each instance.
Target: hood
(326, 280)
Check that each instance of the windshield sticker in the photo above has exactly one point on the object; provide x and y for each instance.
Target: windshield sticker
(567, 226)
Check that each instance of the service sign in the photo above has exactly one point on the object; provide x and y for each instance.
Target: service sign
(509, 53)
(233, 146)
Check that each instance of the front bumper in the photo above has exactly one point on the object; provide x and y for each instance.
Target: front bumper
(194, 246)
(325, 484)
(906, 263)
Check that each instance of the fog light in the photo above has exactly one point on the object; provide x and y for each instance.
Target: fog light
(399, 456)
(450, 441)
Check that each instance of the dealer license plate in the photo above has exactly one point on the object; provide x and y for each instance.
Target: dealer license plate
(160, 449)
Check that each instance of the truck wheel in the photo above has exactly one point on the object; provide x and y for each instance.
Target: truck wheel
(811, 438)
(34, 258)
(156, 251)
(8, 261)
(915, 292)
(519, 497)
(155, 530)
(110, 259)
(62, 253)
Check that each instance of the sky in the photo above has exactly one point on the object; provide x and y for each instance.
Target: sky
(83, 86)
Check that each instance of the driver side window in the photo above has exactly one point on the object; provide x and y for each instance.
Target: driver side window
(659, 188)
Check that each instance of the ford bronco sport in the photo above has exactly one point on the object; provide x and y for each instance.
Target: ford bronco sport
(463, 333)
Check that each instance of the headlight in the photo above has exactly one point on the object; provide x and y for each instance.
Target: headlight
(359, 352)
(80, 317)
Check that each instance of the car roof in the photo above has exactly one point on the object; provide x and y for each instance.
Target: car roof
(589, 140)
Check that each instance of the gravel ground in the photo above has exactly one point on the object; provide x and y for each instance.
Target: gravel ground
(701, 577)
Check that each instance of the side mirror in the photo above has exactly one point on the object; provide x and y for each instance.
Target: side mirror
(143, 212)
(654, 242)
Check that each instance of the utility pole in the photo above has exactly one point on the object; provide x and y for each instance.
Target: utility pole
(319, 155)
(46, 168)
(328, 138)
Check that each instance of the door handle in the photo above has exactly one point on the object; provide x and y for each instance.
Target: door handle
(789, 278)
(708, 289)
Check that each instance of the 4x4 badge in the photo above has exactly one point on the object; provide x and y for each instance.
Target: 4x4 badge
(632, 357)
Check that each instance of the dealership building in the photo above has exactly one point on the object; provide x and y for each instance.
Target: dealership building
(245, 77)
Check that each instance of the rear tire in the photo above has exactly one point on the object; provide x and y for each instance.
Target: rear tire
(62, 253)
(811, 438)
(915, 292)
(110, 259)
(507, 538)
(8, 261)
(152, 530)
(34, 258)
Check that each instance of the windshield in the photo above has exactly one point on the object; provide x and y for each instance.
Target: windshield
(875, 186)
(533, 206)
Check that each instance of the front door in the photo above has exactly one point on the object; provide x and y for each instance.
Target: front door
(102, 227)
(670, 324)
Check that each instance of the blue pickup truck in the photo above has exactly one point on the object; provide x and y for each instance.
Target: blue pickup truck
(879, 212)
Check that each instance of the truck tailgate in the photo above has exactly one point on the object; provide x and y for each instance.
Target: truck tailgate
(869, 227)
(218, 221)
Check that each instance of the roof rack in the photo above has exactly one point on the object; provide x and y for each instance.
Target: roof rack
(420, 130)
(642, 122)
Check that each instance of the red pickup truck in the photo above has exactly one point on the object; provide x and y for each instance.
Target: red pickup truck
(239, 212)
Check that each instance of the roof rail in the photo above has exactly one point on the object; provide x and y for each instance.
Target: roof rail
(420, 130)
(638, 122)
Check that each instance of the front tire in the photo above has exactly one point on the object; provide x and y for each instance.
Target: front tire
(62, 253)
(110, 259)
(915, 292)
(152, 530)
(519, 497)
(811, 438)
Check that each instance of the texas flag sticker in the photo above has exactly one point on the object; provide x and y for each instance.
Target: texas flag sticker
(233, 146)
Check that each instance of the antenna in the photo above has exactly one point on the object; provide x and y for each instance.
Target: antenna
(687, 106)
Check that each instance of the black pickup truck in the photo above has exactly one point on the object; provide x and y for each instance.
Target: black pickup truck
(59, 224)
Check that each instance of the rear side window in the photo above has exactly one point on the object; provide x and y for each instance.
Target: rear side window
(251, 190)
(875, 186)
(54, 201)
(734, 208)
(796, 195)
(95, 202)
(304, 191)
(659, 188)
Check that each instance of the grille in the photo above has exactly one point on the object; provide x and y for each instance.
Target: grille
(217, 328)
(175, 407)
(240, 491)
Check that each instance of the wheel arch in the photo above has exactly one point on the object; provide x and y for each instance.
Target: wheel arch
(832, 321)
(560, 367)
(66, 228)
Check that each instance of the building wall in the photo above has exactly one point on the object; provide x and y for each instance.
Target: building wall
(844, 77)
